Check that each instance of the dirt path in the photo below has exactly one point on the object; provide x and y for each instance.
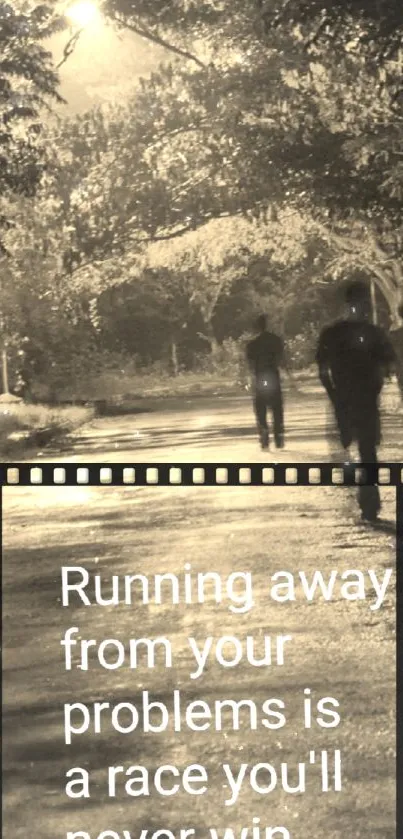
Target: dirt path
(345, 650)
(218, 429)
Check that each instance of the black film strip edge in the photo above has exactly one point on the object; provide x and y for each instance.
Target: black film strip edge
(206, 474)
(399, 662)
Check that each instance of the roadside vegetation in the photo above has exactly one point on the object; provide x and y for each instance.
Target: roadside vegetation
(24, 426)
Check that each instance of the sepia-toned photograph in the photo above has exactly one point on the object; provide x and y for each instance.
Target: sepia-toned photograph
(201, 230)
(201, 263)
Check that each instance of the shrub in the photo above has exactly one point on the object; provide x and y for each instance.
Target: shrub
(25, 421)
(301, 348)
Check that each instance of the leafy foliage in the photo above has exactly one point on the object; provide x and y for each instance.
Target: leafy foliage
(28, 82)
(276, 100)
(373, 26)
(265, 157)
(297, 104)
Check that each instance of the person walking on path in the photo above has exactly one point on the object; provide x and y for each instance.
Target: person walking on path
(354, 357)
(265, 354)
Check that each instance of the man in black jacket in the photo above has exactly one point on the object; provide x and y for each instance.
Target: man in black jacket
(354, 357)
(265, 354)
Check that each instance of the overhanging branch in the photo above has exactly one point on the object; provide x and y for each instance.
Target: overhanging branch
(156, 39)
(145, 240)
(69, 48)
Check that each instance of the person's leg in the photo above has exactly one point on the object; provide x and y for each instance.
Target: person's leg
(344, 422)
(369, 436)
(260, 405)
(278, 419)
(399, 377)
(368, 431)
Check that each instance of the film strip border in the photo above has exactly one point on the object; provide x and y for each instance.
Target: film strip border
(206, 474)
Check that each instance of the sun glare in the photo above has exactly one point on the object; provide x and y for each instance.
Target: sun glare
(82, 14)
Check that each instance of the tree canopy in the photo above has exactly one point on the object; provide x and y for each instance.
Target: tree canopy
(266, 151)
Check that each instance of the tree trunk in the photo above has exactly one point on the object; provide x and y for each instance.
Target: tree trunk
(174, 358)
(214, 347)
(5, 371)
(391, 294)
(211, 339)
(373, 303)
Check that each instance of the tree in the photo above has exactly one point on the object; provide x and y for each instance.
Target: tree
(376, 26)
(360, 248)
(265, 122)
(204, 287)
(210, 262)
(28, 82)
(243, 39)
(284, 118)
(254, 117)
(48, 318)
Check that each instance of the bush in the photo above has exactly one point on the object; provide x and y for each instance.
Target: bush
(91, 375)
(301, 348)
(23, 422)
(227, 361)
(107, 375)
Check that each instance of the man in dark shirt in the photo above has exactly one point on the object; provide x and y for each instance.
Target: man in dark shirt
(354, 356)
(265, 354)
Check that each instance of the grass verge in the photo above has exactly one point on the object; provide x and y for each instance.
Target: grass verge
(25, 426)
(120, 386)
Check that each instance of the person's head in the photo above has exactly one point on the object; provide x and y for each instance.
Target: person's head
(261, 323)
(358, 299)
